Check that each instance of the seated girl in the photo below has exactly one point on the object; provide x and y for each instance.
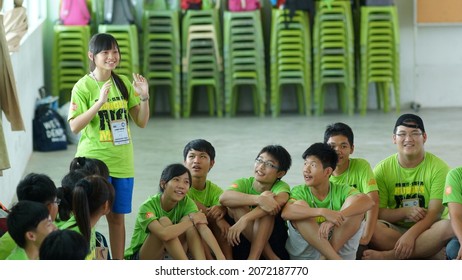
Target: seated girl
(169, 222)
(91, 199)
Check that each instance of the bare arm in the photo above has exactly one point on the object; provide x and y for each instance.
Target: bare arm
(400, 214)
(169, 232)
(140, 113)
(405, 244)
(356, 204)
(237, 199)
(211, 241)
(299, 210)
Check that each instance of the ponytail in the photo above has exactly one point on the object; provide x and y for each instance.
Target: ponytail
(120, 85)
(81, 208)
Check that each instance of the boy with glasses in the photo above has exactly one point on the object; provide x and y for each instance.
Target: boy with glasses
(411, 184)
(355, 172)
(254, 206)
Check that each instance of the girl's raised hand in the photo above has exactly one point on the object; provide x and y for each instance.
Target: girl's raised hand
(141, 86)
(104, 91)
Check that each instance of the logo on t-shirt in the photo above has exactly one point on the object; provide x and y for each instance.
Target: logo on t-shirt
(73, 106)
(149, 215)
(448, 190)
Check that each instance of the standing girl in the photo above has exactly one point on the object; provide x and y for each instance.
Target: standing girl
(101, 103)
(170, 222)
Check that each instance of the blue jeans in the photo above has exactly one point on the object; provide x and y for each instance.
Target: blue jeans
(452, 249)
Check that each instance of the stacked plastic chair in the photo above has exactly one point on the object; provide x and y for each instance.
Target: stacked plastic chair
(333, 54)
(127, 38)
(202, 62)
(379, 55)
(244, 59)
(290, 59)
(161, 55)
(70, 60)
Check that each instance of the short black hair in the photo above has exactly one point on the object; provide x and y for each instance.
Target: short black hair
(64, 245)
(339, 128)
(25, 216)
(200, 145)
(37, 187)
(324, 153)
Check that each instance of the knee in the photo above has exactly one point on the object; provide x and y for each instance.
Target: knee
(115, 219)
(165, 221)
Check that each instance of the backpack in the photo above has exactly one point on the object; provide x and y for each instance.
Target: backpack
(74, 12)
(48, 130)
(290, 6)
(118, 12)
(191, 4)
(243, 5)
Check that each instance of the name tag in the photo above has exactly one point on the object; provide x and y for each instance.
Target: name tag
(119, 131)
(411, 202)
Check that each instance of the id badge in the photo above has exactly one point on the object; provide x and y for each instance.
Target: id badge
(411, 202)
(119, 131)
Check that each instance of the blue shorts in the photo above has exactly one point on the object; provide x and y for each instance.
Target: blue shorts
(123, 188)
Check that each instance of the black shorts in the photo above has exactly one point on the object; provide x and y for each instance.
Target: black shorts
(277, 240)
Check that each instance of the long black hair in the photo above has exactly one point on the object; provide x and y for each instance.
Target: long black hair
(89, 195)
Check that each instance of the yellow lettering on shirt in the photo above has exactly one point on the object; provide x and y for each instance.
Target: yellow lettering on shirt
(105, 136)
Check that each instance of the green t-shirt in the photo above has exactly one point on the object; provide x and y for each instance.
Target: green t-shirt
(358, 175)
(18, 254)
(96, 138)
(72, 225)
(245, 185)
(453, 189)
(152, 210)
(210, 196)
(7, 245)
(334, 200)
(397, 184)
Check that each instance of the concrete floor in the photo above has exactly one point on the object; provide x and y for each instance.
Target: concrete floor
(238, 140)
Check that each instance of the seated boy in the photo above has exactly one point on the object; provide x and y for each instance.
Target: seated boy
(29, 223)
(199, 158)
(254, 205)
(38, 188)
(326, 220)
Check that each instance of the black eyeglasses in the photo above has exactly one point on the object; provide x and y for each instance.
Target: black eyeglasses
(259, 161)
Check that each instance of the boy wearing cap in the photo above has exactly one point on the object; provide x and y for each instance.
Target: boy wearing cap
(411, 184)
